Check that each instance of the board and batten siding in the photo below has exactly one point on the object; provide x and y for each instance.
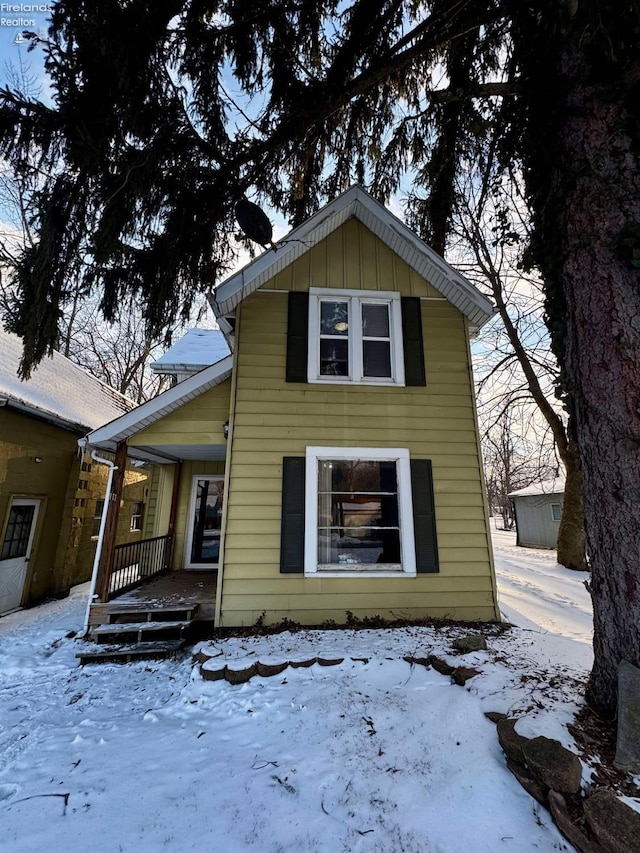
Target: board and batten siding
(273, 419)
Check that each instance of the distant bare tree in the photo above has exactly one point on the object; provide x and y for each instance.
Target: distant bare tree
(518, 364)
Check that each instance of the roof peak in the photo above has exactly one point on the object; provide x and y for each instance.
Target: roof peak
(355, 202)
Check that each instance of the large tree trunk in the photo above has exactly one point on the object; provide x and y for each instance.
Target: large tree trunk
(584, 179)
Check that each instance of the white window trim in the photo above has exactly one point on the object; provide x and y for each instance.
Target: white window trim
(400, 456)
(553, 518)
(355, 298)
(188, 563)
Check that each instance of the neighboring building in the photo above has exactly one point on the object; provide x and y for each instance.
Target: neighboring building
(49, 495)
(330, 464)
(198, 349)
(538, 510)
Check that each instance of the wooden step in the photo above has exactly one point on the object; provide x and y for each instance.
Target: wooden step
(133, 652)
(184, 611)
(121, 632)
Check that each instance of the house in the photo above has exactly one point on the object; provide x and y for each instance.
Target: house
(51, 498)
(330, 464)
(538, 511)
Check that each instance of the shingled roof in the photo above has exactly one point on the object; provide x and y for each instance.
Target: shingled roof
(58, 390)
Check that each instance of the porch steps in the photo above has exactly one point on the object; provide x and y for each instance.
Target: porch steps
(133, 652)
(139, 631)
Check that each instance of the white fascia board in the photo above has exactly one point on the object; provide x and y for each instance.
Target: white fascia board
(156, 408)
(177, 367)
(356, 202)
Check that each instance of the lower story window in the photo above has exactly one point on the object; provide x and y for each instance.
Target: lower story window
(97, 518)
(358, 511)
(136, 517)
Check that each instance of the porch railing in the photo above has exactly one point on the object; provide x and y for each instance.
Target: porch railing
(136, 562)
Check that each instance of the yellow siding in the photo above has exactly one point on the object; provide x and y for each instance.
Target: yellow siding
(273, 419)
(199, 421)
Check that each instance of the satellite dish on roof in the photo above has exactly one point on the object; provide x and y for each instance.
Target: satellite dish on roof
(254, 222)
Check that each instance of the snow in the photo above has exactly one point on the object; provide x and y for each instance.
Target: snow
(197, 349)
(544, 487)
(58, 388)
(371, 754)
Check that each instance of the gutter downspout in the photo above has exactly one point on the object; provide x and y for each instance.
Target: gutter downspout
(103, 522)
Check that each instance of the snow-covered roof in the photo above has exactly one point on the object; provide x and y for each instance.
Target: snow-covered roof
(197, 349)
(544, 487)
(355, 202)
(58, 390)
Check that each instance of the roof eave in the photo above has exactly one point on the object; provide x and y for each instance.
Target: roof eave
(158, 407)
(355, 202)
(43, 415)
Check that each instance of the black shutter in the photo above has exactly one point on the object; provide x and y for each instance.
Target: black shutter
(292, 528)
(414, 371)
(424, 516)
(297, 336)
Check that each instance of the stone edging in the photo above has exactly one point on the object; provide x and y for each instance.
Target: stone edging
(597, 823)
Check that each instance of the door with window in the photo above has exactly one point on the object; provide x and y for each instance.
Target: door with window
(204, 521)
(16, 551)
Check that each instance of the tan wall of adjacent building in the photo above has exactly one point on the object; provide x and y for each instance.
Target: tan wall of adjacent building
(22, 440)
(64, 547)
(273, 418)
(79, 548)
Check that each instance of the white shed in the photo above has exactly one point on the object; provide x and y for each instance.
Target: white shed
(538, 510)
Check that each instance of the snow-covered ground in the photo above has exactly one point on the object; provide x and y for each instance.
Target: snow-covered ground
(374, 754)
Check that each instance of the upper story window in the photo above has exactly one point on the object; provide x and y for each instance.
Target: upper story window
(355, 336)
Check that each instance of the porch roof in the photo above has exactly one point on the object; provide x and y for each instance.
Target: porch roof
(355, 202)
(107, 437)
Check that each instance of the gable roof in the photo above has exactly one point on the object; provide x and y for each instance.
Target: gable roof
(544, 487)
(196, 350)
(58, 390)
(108, 436)
(355, 202)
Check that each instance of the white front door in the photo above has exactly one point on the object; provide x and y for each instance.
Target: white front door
(16, 550)
(204, 520)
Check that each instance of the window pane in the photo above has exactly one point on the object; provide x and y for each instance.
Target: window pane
(334, 357)
(97, 517)
(356, 546)
(334, 318)
(205, 547)
(375, 321)
(358, 519)
(17, 535)
(376, 358)
(357, 475)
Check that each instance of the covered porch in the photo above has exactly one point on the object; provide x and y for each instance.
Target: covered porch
(182, 436)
